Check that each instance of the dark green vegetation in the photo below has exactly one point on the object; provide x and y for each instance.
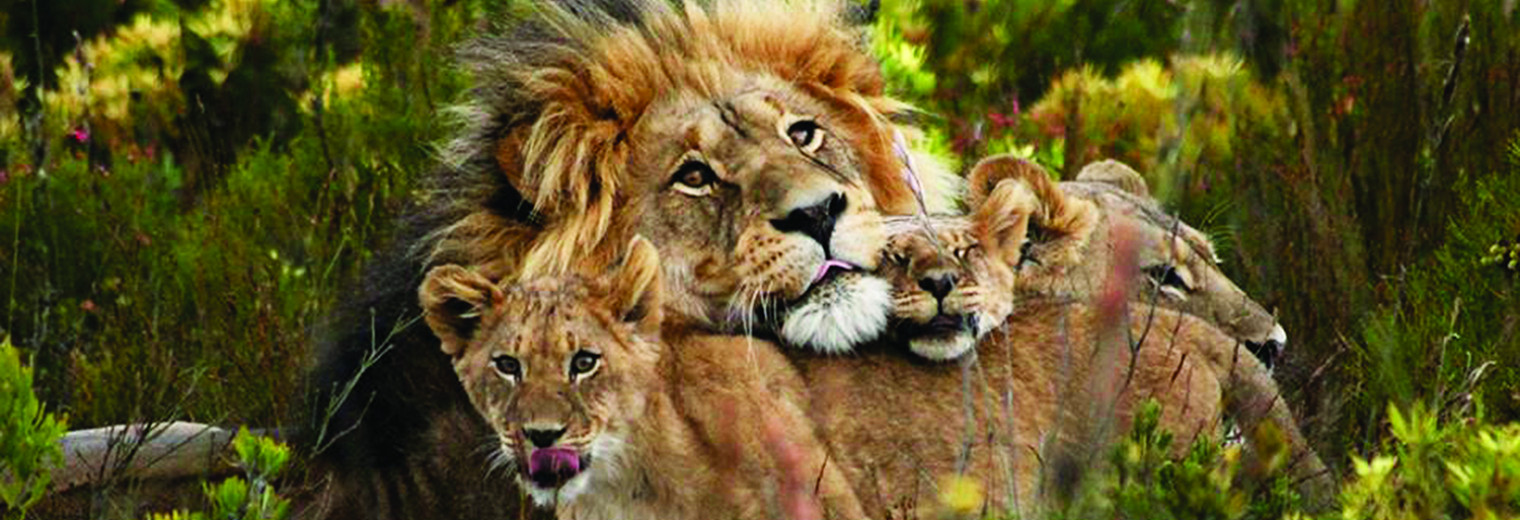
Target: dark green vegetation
(185, 185)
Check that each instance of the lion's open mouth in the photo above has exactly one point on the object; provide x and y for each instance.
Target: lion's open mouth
(550, 468)
(942, 325)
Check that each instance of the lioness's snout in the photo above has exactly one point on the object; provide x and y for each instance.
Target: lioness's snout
(1270, 350)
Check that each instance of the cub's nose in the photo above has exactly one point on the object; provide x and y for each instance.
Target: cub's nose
(939, 286)
(816, 220)
(543, 437)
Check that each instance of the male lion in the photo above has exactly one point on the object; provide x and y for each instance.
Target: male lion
(750, 141)
(601, 417)
(1070, 250)
(1051, 378)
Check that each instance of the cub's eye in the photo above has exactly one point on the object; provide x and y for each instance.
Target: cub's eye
(583, 363)
(507, 366)
(806, 134)
(1166, 275)
(694, 178)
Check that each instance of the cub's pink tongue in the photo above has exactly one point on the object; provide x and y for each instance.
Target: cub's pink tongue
(551, 467)
(829, 265)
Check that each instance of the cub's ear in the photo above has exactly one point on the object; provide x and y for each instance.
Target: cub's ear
(990, 172)
(453, 301)
(1116, 174)
(1001, 223)
(635, 286)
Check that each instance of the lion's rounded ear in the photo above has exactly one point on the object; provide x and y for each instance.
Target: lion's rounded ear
(1116, 174)
(636, 285)
(453, 302)
(991, 171)
(1002, 220)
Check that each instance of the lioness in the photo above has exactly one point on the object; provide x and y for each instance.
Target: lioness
(601, 417)
(1070, 249)
(1052, 370)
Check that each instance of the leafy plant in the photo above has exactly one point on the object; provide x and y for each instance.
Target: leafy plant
(29, 437)
(1428, 470)
(252, 496)
(1144, 480)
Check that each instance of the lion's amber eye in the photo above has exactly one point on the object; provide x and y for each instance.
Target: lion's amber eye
(507, 366)
(583, 363)
(694, 178)
(806, 134)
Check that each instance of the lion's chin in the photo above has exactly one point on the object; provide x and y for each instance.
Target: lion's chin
(840, 312)
(946, 337)
(602, 465)
(943, 348)
(563, 494)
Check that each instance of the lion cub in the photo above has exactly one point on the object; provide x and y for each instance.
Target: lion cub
(599, 418)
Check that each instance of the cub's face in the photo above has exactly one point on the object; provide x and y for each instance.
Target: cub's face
(953, 276)
(758, 202)
(558, 367)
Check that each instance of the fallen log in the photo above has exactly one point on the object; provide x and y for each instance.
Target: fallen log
(150, 451)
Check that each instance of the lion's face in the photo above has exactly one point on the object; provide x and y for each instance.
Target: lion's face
(953, 287)
(759, 204)
(558, 367)
(1071, 246)
(1182, 272)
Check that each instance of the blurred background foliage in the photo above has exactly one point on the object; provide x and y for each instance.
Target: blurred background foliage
(1356, 162)
(186, 184)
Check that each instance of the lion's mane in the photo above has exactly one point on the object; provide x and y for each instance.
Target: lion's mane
(531, 186)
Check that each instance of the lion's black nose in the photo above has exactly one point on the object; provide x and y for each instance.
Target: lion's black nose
(816, 221)
(1268, 351)
(939, 286)
(543, 437)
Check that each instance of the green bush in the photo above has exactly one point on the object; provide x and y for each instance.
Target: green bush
(252, 496)
(148, 286)
(1177, 124)
(29, 435)
(1142, 480)
(1427, 470)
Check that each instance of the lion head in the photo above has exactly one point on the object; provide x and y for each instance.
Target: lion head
(953, 276)
(750, 141)
(558, 367)
(1180, 266)
(1070, 248)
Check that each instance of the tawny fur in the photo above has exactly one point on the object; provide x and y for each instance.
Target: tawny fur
(1057, 371)
(1116, 174)
(1071, 249)
(572, 141)
(679, 426)
(593, 119)
(899, 427)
